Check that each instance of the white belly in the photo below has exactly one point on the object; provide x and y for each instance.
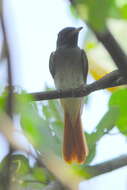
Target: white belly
(68, 79)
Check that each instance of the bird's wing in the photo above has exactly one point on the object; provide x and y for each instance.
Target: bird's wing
(84, 64)
(51, 65)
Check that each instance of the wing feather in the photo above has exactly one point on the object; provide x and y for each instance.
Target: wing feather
(84, 65)
(52, 64)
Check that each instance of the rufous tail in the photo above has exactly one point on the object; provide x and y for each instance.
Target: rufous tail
(74, 147)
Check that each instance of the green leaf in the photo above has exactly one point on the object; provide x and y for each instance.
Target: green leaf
(92, 147)
(58, 128)
(74, 12)
(43, 131)
(97, 12)
(37, 130)
(123, 11)
(39, 174)
(52, 110)
(25, 176)
(119, 99)
(3, 100)
(21, 165)
(106, 124)
(54, 115)
(98, 18)
(90, 45)
(35, 127)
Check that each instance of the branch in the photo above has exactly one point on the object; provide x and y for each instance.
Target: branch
(107, 166)
(94, 171)
(9, 101)
(114, 50)
(110, 80)
(9, 106)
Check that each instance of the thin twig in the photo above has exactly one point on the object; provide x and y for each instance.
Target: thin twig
(101, 168)
(107, 166)
(110, 80)
(9, 101)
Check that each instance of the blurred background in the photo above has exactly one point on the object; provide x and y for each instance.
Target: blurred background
(32, 27)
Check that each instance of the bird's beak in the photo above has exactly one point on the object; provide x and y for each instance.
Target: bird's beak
(78, 29)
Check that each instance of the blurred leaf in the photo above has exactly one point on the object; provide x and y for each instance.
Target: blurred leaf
(90, 45)
(52, 110)
(3, 99)
(107, 122)
(98, 18)
(2, 103)
(39, 174)
(74, 12)
(36, 128)
(119, 99)
(24, 176)
(115, 12)
(81, 171)
(89, 11)
(105, 125)
(21, 165)
(46, 111)
(39, 129)
(53, 113)
(19, 168)
(58, 128)
(91, 141)
(97, 12)
(83, 11)
(123, 11)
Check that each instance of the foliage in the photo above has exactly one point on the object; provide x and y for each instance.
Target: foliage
(43, 125)
(88, 10)
(118, 99)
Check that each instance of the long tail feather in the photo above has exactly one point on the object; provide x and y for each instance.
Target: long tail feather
(74, 148)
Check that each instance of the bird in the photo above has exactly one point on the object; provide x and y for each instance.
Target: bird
(68, 65)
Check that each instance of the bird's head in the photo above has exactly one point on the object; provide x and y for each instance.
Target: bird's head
(68, 37)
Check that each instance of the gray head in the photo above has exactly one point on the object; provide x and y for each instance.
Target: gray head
(68, 37)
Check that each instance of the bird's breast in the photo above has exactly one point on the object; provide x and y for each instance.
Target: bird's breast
(68, 68)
